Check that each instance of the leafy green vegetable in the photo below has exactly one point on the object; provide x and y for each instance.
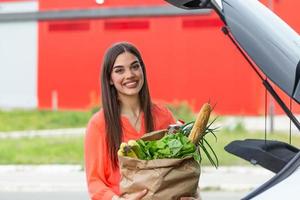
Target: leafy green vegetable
(178, 145)
(170, 146)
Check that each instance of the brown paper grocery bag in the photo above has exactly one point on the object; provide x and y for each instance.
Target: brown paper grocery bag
(164, 178)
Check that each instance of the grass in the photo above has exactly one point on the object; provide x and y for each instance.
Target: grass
(44, 119)
(56, 150)
(15, 120)
(69, 150)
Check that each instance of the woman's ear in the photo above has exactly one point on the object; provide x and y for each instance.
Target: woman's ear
(111, 82)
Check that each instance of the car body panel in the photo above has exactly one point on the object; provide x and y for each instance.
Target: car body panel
(268, 40)
(288, 188)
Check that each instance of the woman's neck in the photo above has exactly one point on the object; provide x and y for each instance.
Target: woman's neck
(130, 105)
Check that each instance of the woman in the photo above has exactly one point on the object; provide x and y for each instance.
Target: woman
(127, 113)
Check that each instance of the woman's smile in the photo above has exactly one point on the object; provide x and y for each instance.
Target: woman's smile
(131, 84)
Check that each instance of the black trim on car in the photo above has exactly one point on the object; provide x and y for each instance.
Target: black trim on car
(297, 78)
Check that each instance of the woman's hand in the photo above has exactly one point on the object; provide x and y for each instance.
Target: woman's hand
(134, 196)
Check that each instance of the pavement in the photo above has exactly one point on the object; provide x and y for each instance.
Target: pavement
(70, 132)
(55, 178)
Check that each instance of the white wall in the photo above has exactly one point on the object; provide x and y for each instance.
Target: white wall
(18, 58)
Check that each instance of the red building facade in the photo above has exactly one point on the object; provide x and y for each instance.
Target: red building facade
(187, 57)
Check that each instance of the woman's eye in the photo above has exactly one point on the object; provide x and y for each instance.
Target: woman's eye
(135, 66)
(119, 71)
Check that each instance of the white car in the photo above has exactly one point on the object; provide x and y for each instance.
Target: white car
(272, 49)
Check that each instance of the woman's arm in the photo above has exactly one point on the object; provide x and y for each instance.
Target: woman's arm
(95, 158)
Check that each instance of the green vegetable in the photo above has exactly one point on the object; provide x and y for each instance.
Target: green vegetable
(170, 146)
(174, 145)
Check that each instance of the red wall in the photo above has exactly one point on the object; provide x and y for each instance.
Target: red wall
(187, 58)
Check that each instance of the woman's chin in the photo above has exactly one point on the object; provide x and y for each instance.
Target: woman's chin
(130, 93)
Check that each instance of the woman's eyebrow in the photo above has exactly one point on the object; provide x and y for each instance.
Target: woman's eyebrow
(118, 66)
(134, 62)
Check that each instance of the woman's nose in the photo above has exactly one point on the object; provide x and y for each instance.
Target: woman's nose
(129, 73)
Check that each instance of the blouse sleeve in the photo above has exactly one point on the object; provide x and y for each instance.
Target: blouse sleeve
(95, 157)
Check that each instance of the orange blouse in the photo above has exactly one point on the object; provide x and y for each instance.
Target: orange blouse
(102, 179)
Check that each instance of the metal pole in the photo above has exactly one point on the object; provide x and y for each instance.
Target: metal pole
(271, 114)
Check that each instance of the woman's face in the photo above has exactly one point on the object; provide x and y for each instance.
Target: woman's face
(127, 75)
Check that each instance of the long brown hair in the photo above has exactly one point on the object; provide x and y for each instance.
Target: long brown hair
(110, 103)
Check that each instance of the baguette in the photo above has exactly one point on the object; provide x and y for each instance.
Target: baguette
(200, 124)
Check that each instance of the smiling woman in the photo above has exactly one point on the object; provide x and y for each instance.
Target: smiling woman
(127, 113)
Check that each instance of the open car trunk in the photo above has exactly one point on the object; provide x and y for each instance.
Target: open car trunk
(272, 49)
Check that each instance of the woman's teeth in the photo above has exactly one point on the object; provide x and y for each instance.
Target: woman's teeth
(131, 84)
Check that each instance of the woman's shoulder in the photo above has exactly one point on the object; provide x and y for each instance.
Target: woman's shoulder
(158, 108)
(97, 119)
(95, 132)
(162, 113)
